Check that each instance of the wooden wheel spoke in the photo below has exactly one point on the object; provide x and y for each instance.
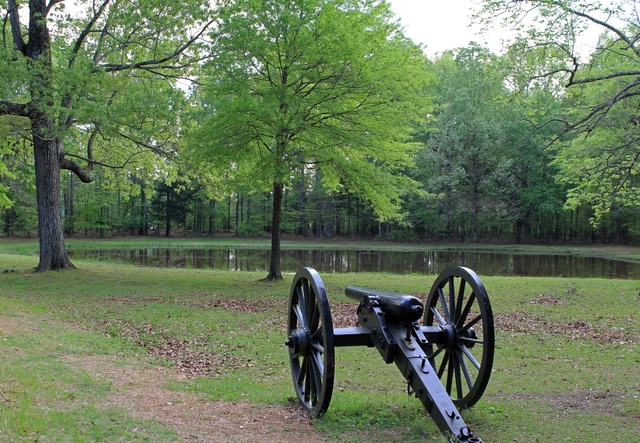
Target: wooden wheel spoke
(435, 354)
(302, 306)
(311, 387)
(313, 314)
(437, 315)
(465, 372)
(318, 363)
(471, 340)
(461, 289)
(467, 308)
(470, 324)
(306, 297)
(450, 373)
(443, 364)
(302, 376)
(445, 308)
(317, 369)
(452, 299)
(298, 312)
(316, 336)
(456, 366)
(318, 346)
(470, 356)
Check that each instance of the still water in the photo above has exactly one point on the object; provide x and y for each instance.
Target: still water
(396, 262)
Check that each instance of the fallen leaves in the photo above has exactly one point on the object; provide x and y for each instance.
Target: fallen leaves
(527, 323)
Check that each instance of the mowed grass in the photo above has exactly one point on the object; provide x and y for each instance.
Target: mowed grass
(566, 364)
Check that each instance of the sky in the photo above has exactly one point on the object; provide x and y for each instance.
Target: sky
(441, 25)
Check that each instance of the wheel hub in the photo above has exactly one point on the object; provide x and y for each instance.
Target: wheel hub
(449, 337)
(470, 333)
(299, 342)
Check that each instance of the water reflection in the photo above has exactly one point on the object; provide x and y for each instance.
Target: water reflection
(397, 262)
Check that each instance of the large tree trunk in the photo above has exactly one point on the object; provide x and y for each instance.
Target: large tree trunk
(274, 264)
(53, 253)
(46, 146)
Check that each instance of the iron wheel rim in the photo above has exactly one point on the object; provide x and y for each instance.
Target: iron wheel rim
(311, 341)
(459, 303)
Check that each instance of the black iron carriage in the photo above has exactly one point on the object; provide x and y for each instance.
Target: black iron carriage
(446, 361)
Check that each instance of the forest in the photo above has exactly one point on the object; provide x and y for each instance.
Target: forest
(316, 118)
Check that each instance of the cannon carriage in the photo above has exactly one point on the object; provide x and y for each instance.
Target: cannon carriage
(446, 360)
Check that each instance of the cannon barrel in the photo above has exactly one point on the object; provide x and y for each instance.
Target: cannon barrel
(402, 306)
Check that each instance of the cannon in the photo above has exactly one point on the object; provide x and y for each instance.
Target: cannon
(446, 361)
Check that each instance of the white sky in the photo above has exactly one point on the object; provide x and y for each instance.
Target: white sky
(440, 25)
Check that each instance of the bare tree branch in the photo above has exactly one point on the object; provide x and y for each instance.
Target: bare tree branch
(157, 63)
(74, 167)
(605, 77)
(147, 146)
(605, 25)
(10, 108)
(86, 31)
(16, 30)
(51, 4)
(93, 162)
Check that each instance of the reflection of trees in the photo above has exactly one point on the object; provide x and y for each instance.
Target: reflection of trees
(396, 262)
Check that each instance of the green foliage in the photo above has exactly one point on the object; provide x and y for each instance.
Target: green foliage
(602, 165)
(466, 162)
(598, 152)
(330, 85)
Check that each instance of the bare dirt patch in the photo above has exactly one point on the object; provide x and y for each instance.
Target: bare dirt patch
(15, 325)
(9, 326)
(572, 401)
(142, 391)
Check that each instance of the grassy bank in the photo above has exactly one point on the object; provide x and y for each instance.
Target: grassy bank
(565, 369)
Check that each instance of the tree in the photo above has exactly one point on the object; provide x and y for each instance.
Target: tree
(96, 87)
(466, 151)
(312, 84)
(598, 153)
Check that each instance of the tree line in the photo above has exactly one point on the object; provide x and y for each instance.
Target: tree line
(314, 118)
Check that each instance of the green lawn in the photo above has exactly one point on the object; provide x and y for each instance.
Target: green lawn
(566, 366)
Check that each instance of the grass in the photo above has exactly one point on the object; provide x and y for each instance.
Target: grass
(565, 368)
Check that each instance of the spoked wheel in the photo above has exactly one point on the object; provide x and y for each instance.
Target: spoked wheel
(310, 342)
(458, 303)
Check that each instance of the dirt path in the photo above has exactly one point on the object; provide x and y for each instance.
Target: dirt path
(142, 391)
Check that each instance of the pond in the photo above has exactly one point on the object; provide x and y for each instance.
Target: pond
(397, 262)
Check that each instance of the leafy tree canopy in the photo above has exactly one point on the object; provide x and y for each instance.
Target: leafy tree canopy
(332, 85)
(97, 83)
(598, 150)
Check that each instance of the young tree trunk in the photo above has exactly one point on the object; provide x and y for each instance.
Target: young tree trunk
(212, 207)
(328, 227)
(53, 253)
(249, 211)
(168, 215)
(238, 203)
(474, 215)
(274, 265)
